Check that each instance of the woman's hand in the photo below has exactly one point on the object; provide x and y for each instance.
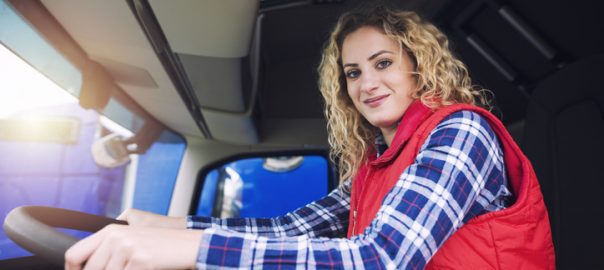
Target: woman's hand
(136, 217)
(126, 247)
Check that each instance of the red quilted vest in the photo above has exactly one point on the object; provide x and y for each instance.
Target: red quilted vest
(517, 237)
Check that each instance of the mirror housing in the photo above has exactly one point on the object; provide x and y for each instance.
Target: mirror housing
(97, 87)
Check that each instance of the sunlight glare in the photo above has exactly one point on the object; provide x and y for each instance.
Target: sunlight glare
(24, 88)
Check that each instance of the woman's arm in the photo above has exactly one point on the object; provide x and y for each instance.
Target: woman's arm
(326, 217)
(140, 218)
(457, 168)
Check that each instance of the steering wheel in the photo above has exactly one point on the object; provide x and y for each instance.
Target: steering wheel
(33, 228)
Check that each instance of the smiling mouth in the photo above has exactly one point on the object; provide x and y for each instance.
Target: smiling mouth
(375, 101)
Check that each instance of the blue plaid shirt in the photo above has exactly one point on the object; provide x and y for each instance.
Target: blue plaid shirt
(457, 175)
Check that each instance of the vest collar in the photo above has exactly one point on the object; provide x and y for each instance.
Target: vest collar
(413, 117)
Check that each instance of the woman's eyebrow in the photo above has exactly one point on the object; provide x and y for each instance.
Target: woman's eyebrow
(373, 56)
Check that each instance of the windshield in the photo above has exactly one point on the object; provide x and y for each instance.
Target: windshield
(46, 139)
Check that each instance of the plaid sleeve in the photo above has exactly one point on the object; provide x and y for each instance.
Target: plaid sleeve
(327, 217)
(456, 167)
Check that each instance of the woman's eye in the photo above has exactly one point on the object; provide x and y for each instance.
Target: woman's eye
(352, 74)
(382, 64)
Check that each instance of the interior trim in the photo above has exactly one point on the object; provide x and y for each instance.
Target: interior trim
(172, 65)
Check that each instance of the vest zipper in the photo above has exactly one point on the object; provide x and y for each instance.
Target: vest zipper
(358, 200)
(354, 220)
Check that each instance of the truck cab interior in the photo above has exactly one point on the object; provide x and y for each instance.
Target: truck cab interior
(186, 107)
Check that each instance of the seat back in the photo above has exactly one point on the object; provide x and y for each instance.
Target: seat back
(564, 139)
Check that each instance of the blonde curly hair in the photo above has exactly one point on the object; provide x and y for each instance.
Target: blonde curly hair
(441, 79)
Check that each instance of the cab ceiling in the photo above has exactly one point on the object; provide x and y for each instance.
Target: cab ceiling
(209, 46)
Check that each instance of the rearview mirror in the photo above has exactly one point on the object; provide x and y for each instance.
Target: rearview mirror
(110, 151)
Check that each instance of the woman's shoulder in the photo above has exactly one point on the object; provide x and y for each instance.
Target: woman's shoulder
(465, 123)
(465, 119)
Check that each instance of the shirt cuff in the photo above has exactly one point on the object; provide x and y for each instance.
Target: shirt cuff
(198, 223)
(219, 249)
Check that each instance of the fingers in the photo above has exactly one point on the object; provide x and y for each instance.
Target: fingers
(125, 247)
(119, 258)
(101, 256)
(94, 251)
(78, 254)
(139, 262)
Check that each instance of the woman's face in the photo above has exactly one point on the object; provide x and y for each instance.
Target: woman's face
(378, 76)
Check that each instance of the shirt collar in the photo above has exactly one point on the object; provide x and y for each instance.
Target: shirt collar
(411, 120)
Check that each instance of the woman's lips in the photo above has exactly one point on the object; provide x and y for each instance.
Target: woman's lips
(376, 101)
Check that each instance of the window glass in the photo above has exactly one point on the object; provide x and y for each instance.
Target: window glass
(156, 173)
(263, 187)
(45, 141)
(121, 115)
(19, 37)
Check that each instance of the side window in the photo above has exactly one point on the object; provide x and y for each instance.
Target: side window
(262, 186)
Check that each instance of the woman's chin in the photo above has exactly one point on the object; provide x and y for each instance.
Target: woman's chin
(385, 123)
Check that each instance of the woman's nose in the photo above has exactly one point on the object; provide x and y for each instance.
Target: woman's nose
(369, 82)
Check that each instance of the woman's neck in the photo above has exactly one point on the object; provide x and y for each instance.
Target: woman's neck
(388, 134)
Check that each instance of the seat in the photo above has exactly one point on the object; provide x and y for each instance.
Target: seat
(564, 139)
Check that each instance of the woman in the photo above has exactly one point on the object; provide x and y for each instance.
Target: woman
(425, 182)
